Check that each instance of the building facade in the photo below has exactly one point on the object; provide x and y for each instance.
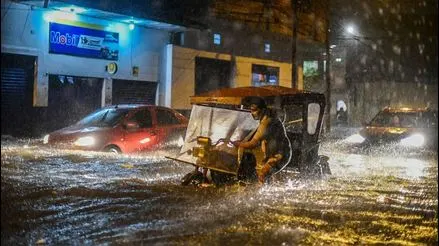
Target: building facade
(62, 61)
(247, 43)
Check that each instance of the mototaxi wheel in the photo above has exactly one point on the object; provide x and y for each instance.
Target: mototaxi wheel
(194, 178)
(220, 178)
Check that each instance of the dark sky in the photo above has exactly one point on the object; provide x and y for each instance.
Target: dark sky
(395, 39)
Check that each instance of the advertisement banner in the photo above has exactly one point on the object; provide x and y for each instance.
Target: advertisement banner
(81, 41)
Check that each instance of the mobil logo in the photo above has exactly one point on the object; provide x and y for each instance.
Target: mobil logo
(64, 39)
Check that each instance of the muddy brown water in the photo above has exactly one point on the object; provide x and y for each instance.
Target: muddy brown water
(61, 197)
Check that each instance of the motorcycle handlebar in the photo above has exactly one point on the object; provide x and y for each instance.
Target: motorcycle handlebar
(224, 140)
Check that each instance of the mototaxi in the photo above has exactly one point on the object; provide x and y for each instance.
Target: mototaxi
(221, 117)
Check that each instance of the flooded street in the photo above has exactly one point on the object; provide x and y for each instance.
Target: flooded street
(375, 196)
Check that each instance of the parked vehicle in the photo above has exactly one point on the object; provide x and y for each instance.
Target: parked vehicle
(122, 129)
(220, 117)
(410, 127)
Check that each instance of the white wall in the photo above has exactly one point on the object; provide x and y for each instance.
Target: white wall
(25, 31)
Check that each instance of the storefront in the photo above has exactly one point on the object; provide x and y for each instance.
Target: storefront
(81, 59)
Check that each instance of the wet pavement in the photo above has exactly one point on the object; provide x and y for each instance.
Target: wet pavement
(379, 195)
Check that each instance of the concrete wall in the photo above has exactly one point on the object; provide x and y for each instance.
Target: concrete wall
(183, 73)
(25, 31)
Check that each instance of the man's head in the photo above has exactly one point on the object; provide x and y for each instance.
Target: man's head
(257, 107)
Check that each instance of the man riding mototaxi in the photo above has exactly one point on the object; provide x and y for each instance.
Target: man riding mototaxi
(272, 138)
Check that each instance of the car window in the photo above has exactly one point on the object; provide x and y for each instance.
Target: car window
(381, 119)
(104, 117)
(165, 117)
(398, 119)
(143, 118)
(409, 120)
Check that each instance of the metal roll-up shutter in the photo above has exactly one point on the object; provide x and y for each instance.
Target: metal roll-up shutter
(16, 93)
(130, 91)
(13, 88)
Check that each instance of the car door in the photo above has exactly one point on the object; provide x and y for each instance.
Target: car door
(143, 137)
(170, 129)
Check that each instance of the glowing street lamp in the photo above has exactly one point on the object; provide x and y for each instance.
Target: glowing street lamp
(351, 29)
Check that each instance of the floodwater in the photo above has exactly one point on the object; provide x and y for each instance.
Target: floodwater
(59, 197)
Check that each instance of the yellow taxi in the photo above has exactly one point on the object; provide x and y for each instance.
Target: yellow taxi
(410, 127)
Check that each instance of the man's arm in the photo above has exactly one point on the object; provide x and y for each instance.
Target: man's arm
(256, 139)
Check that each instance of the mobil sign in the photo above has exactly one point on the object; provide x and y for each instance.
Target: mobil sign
(83, 41)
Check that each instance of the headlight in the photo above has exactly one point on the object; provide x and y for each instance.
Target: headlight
(85, 141)
(199, 152)
(356, 138)
(415, 140)
(46, 139)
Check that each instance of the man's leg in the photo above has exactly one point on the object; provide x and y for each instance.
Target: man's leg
(267, 168)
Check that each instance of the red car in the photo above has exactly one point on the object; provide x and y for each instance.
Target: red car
(122, 129)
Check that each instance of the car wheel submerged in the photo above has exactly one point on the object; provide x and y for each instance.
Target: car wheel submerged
(113, 149)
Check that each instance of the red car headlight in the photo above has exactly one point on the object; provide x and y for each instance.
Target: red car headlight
(85, 141)
(46, 139)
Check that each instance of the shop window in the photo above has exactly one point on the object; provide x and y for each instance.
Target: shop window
(267, 48)
(264, 75)
(310, 68)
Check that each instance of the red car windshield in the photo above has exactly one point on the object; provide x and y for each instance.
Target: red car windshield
(104, 117)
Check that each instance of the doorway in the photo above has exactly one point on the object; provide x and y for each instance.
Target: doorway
(211, 74)
(71, 98)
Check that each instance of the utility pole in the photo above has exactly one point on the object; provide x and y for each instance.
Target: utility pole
(294, 5)
(328, 71)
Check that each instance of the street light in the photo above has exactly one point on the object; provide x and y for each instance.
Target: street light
(350, 29)
(349, 32)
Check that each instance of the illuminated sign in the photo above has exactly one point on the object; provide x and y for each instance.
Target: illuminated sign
(82, 41)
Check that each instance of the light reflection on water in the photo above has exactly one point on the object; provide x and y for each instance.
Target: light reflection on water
(61, 196)
(361, 165)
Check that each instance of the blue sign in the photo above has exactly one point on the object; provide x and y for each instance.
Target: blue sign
(81, 41)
